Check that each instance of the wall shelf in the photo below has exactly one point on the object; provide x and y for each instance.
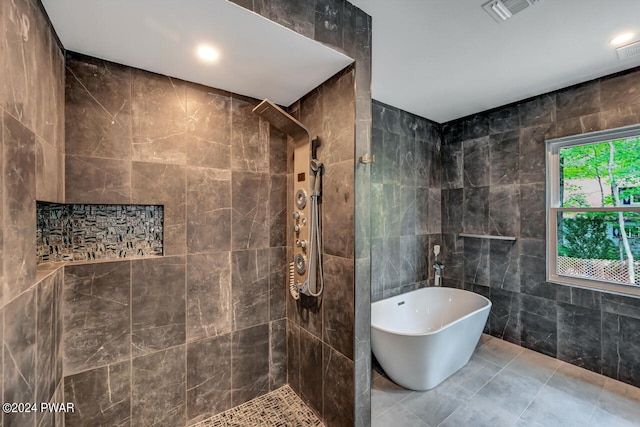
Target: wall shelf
(487, 236)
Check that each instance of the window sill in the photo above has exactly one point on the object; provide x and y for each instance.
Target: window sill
(596, 285)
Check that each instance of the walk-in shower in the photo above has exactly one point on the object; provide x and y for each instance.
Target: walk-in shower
(306, 274)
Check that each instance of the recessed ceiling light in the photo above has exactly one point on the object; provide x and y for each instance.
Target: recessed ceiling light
(622, 38)
(207, 53)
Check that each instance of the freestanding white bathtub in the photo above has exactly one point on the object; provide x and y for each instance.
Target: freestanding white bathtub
(422, 337)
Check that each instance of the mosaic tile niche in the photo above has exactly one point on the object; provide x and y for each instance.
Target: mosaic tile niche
(94, 232)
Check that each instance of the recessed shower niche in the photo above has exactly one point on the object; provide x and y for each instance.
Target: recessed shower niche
(78, 232)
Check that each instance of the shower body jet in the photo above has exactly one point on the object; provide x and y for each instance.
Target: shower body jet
(307, 248)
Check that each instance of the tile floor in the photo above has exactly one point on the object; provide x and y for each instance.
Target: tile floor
(507, 385)
(279, 408)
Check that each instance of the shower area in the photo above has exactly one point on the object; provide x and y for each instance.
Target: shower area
(216, 296)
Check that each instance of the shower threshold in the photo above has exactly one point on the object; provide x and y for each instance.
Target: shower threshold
(281, 407)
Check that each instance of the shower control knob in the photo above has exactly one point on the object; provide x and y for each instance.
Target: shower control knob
(296, 215)
(296, 229)
(300, 264)
(301, 244)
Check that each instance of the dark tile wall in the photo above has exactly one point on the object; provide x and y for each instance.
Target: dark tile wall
(340, 25)
(493, 182)
(405, 201)
(153, 326)
(31, 163)
(326, 324)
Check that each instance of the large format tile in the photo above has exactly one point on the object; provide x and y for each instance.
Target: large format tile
(19, 348)
(385, 394)
(509, 391)
(208, 295)
(499, 352)
(97, 320)
(619, 90)
(19, 190)
(504, 265)
(97, 108)
(278, 283)
(476, 261)
(474, 413)
(476, 162)
(208, 377)
(578, 100)
(339, 304)
(101, 396)
(504, 210)
(338, 209)
(250, 363)
(533, 152)
(49, 172)
(398, 415)
(475, 374)
(158, 318)
(579, 336)
(553, 407)
(618, 400)
(208, 210)
(475, 215)
(249, 138)
(156, 183)
(534, 365)
(159, 117)
(208, 127)
(158, 387)
(92, 180)
(277, 354)
(250, 288)
(278, 218)
(338, 389)
(435, 405)
(250, 194)
(620, 348)
(47, 349)
(310, 376)
(504, 158)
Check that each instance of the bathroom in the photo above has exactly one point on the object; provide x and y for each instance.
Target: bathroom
(80, 130)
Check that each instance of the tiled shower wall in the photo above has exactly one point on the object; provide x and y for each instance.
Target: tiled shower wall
(340, 25)
(493, 182)
(31, 159)
(320, 334)
(405, 200)
(180, 337)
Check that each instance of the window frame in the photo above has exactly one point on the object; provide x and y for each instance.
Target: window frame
(553, 147)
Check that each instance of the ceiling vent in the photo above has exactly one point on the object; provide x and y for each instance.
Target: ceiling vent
(629, 51)
(501, 10)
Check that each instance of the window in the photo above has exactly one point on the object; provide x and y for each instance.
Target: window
(593, 210)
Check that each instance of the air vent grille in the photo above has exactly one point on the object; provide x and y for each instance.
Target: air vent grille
(501, 10)
(515, 6)
(629, 51)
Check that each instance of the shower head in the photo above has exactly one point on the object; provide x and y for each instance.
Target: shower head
(281, 119)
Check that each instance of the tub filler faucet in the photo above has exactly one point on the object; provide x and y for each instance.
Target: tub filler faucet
(437, 265)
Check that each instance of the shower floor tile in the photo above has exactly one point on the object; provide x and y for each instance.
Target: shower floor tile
(506, 385)
(279, 408)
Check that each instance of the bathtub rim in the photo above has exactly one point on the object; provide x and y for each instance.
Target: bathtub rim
(422, 334)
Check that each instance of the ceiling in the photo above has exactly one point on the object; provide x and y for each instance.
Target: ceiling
(257, 58)
(445, 59)
(440, 59)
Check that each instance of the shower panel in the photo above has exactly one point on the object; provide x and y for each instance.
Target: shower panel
(306, 274)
